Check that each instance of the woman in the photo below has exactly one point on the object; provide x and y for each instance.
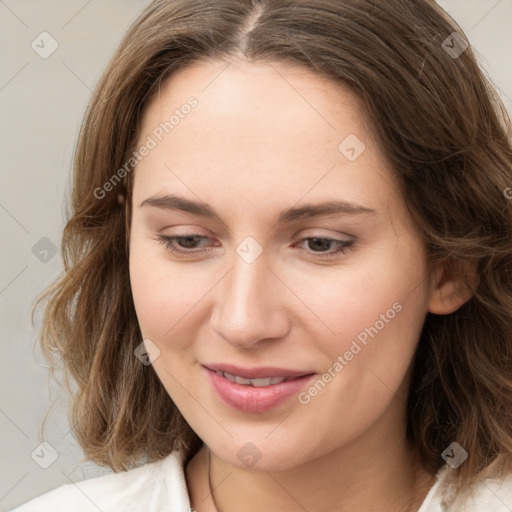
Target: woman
(288, 265)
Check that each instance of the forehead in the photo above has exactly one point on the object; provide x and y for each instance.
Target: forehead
(265, 96)
(258, 131)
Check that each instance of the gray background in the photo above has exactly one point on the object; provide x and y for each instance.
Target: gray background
(42, 102)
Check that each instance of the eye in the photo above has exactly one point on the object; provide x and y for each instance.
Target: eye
(189, 245)
(182, 244)
(320, 246)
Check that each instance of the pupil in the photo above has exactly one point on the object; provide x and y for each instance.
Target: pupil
(321, 243)
(188, 241)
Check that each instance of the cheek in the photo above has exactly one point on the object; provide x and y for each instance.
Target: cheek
(168, 308)
(165, 293)
(370, 314)
(346, 301)
(377, 328)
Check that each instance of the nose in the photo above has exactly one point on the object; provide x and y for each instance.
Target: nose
(250, 305)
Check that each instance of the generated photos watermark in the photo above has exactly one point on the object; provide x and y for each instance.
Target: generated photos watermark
(454, 455)
(151, 143)
(357, 345)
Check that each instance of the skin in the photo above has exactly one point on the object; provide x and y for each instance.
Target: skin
(263, 138)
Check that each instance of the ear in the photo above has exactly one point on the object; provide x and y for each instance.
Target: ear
(451, 288)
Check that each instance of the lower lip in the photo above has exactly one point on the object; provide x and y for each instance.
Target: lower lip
(253, 399)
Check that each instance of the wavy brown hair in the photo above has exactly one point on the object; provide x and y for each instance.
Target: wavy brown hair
(442, 128)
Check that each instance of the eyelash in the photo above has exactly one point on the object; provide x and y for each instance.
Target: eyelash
(169, 241)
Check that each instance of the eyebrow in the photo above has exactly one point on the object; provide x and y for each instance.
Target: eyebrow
(174, 202)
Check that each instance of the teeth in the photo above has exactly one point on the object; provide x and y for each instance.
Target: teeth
(241, 380)
(228, 376)
(259, 383)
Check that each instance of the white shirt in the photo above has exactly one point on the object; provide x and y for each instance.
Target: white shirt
(161, 487)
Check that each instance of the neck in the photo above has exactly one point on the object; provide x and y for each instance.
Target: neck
(380, 476)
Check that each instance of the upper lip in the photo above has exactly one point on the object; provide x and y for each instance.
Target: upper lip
(257, 373)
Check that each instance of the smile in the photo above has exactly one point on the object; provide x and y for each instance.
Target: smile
(256, 394)
(260, 382)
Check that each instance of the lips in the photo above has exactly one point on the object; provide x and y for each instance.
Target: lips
(257, 389)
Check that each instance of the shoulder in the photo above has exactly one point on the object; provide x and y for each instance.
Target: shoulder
(150, 487)
(491, 495)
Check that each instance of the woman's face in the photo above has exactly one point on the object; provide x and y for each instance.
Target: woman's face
(298, 259)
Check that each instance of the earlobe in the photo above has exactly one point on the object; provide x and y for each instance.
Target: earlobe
(451, 290)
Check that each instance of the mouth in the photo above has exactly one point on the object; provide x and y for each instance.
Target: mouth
(256, 376)
(259, 382)
(255, 390)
